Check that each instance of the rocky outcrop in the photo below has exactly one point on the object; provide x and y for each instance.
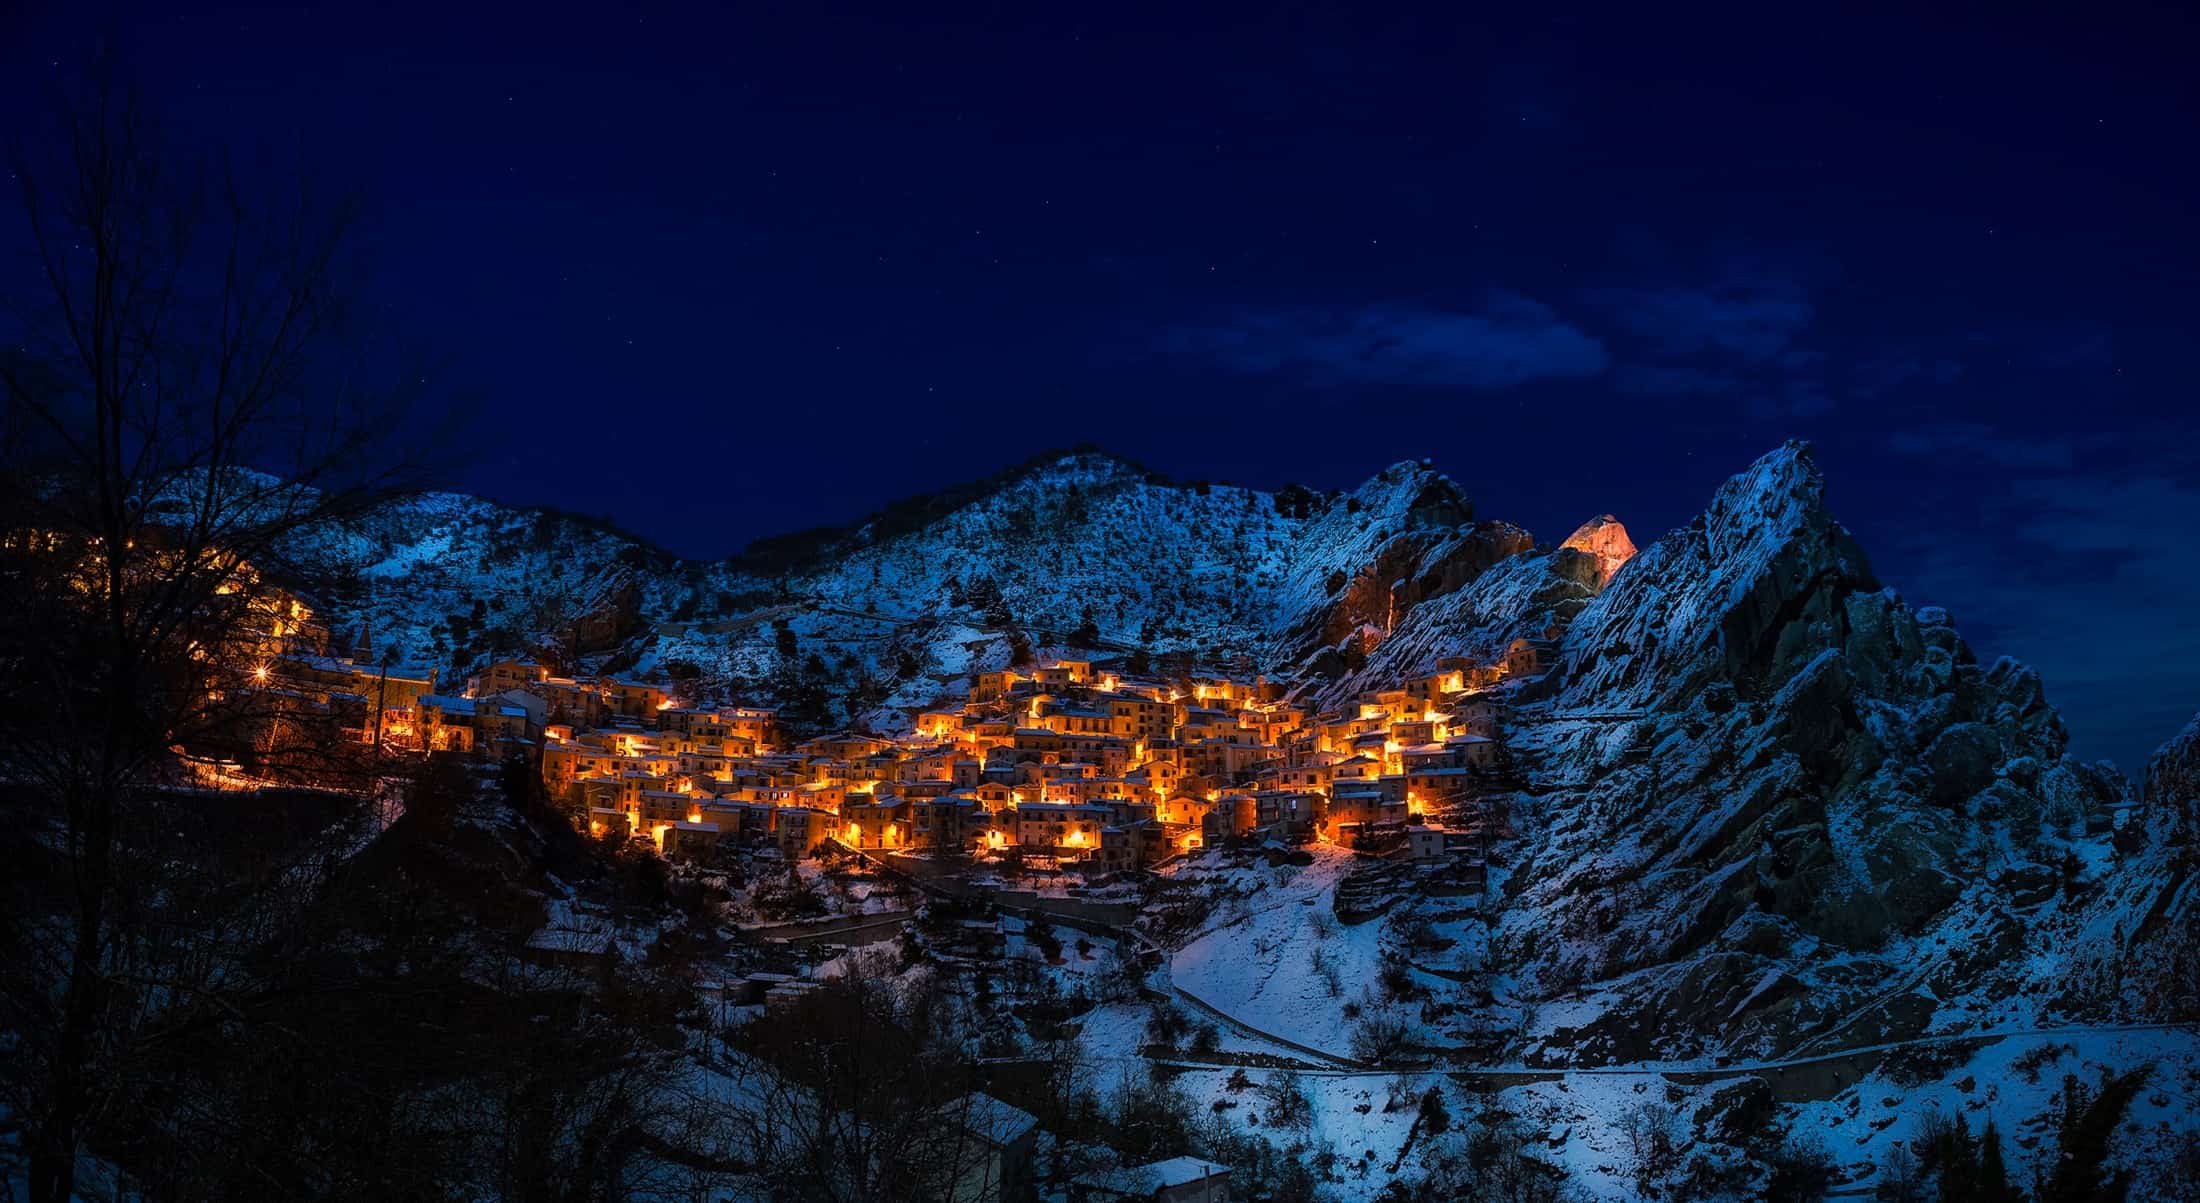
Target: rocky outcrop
(1603, 538)
(1786, 783)
(1412, 568)
(1526, 593)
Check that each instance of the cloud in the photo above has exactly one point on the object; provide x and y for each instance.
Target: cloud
(1793, 398)
(2083, 576)
(1509, 340)
(1975, 441)
(1874, 377)
(1734, 339)
(1755, 316)
(1663, 380)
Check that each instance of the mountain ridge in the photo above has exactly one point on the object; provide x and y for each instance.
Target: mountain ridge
(1755, 806)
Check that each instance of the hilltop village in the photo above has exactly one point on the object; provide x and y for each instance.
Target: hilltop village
(1071, 766)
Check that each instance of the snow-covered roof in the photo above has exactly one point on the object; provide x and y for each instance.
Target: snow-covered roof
(993, 1120)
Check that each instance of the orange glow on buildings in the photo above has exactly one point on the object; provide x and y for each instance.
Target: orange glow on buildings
(1127, 753)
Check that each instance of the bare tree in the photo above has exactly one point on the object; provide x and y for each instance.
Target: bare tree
(177, 431)
(861, 1092)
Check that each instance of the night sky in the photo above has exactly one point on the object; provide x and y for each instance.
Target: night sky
(722, 276)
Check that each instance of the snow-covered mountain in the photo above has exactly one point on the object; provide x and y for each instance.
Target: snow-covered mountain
(1762, 812)
(1772, 807)
(1765, 805)
(1079, 548)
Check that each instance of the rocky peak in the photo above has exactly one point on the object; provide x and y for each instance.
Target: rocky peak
(1782, 765)
(1749, 593)
(1603, 538)
(1415, 494)
(1778, 496)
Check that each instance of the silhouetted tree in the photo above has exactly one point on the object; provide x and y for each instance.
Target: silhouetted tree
(173, 431)
(2089, 1119)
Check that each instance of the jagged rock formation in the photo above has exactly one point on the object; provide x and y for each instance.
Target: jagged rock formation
(1604, 538)
(1771, 803)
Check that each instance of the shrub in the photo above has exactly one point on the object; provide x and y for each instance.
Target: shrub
(1800, 1169)
(1396, 979)
(1285, 1094)
(1165, 1024)
(2089, 1120)
(1434, 1118)
(1652, 1134)
(1381, 1037)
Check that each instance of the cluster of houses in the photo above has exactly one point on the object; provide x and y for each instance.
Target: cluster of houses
(1069, 765)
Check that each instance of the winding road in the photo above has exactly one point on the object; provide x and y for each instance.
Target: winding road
(1326, 1064)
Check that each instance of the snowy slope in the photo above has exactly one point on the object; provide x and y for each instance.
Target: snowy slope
(898, 616)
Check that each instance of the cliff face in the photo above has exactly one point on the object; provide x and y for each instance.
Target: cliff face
(1769, 804)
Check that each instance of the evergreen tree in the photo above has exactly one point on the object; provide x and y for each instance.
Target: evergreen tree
(2089, 1121)
(1949, 1154)
(1993, 1174)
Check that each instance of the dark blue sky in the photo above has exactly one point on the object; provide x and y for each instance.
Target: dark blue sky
(725, 275)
